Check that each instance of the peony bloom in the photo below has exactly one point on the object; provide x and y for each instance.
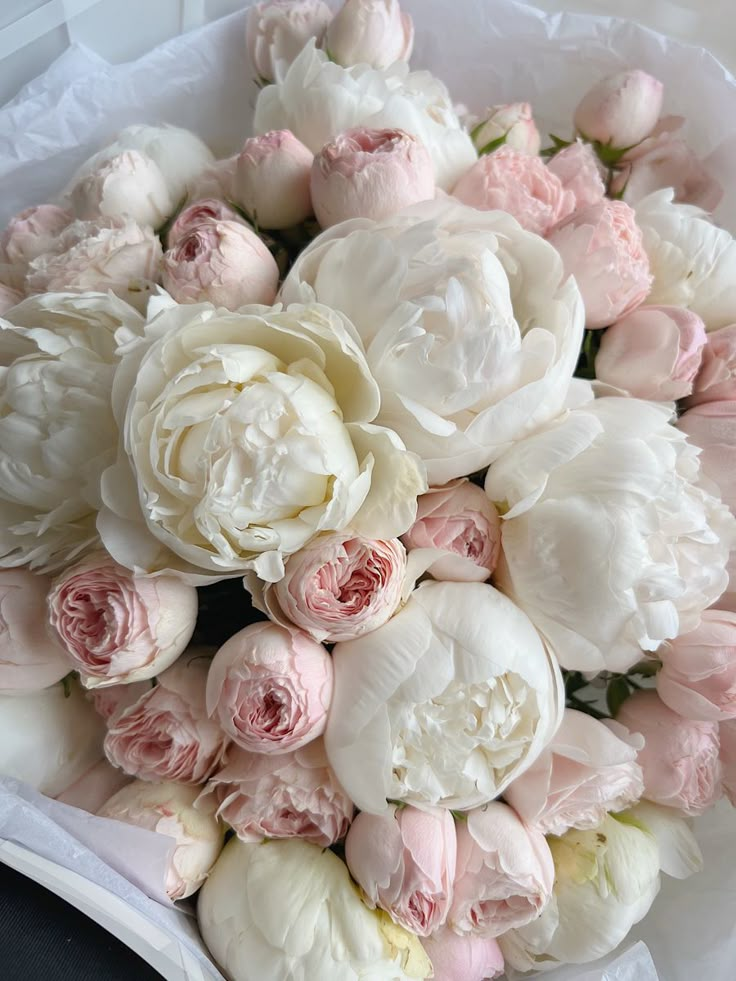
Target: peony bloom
(370, 173)
(271, 181)
(513, 181)
(404, 861)
(112, 701)
(716, 379)
(270, 688)
(221, 262)
(458, 520)
(204, 211)
(30, 659)
(653, 353)
(680, 756)
(168, 809)
(317, 100)
(601, 246)
(130, 185)
(370, 32)
(587, 770)
(285, 795)
(445, 704)
(338, 587)
(8, 298)
(580, 172)
(620, 110)
(614, 544)
(289, 909)
(166, 734)
(116, 627)
(466, 958)
(469, 326)
(277, 31)
(504, 872)
(57, 430)
(712, 427)
(727, 736)
(276, 446)
(512, 125)
(30, 234)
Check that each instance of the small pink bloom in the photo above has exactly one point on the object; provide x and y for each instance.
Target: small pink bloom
(601, 246)
(716, 380)
(580, 172)
(518, 183)
(513, 124)
(131, 184)
(727, 735)
(292, 795)
(270, 688)
(680, 757)
(272, 179)
(712, 427)
(94, 787)
(466, 958)
(166, 734)
(653, 353)
(32, 233)
(9, 297)
(620, 110)
(115, 699)
(404, 861)
(203, 210)
(223, 262)
(277, 30)
(370, 173)
(457, 519)
(370, 32)
(30, 657)
(588, 770)
(117, 627)
(504, 872)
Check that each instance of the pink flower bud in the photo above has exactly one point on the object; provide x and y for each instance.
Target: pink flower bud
(466, 958)
(277, 31)
(30, 658)
(32, 233)
(272, 179)
(580, 171)
(370, 32)
(201, 211)
(128, 184)
(712, 427)
(716, 380)
(512, 181)
(653, 353)
(8, 298)
(404, 861)
(727, 735)
(512, 124)
(601, 246)
(370, 173)
(621, 110)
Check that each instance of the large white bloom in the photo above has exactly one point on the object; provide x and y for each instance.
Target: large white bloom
(469, 326)
(243, 436)
(445, 704)
(611, 544)
(57, 431)
(288, 909)
(319, 99)
(692, 260)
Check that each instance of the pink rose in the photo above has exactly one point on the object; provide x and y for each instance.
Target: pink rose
(504, 872)
(580, 172)
(370, 173)
(223, 262)
(32, 233)
(698, 675)
(117, 627)
(8, 298)
(588, 770)
(680, 756)
(467, 958)
(457, 519)
(620, 110)
(30, 658)
(113, 701)
(727, 735)
(653, 353)
(404, 861)
(166, 734)
(270, 688)
(518, 183)
(204, 210)
(370, 32)
(712, 427)
(601, 246)
(716, 380)
(272, 178)
(129, 183)
(292, 795)
(277, 31)
(339, 587)
(512, 124)
(94, 787)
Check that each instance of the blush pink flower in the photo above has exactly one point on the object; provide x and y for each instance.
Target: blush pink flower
(513, 181)
(511, 124)
(463, 958)
(113, 701)
(202, 210)
(270, 688)
(680, 756)
(272, 179)
(30, 658)
(602, 247)
(712, 427)
(292, 795)
(716, 380)
(620, 110)
(404, 861)
(580, 171)
(727, 735)
(32, 233)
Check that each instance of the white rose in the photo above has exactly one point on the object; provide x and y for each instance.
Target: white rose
(469, 326)
(288, 909)
(57, 430)
(130, 184)
(245, 435)
(610, 542)
(692, 260)
(318, 99)
(445, 704)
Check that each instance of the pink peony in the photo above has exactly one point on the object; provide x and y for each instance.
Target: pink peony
(620, 110)
(272, 178)
(277, 30)
(202, 210)
(512, 124)
(113, 701)
(727, 735)
(370, 32)
(32, 233)
(466, 958)
(716, 380)
(580, 172)
(30, 658)
(712, 427)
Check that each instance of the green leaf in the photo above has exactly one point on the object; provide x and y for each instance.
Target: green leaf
(616, 694)
(493, 145)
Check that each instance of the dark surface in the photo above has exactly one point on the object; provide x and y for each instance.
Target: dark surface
(43, 938)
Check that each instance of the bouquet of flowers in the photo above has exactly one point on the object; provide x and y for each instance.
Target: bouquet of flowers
(366, 510)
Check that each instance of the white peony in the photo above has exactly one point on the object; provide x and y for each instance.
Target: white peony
(469, 326)
(129, 183)
(319, 99)
(445, 704)
(288, 909)
(57, 430)
(692, 260)
(244, 435)
(611, 543)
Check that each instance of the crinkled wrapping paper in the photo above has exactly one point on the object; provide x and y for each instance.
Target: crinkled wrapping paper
(487, 52)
